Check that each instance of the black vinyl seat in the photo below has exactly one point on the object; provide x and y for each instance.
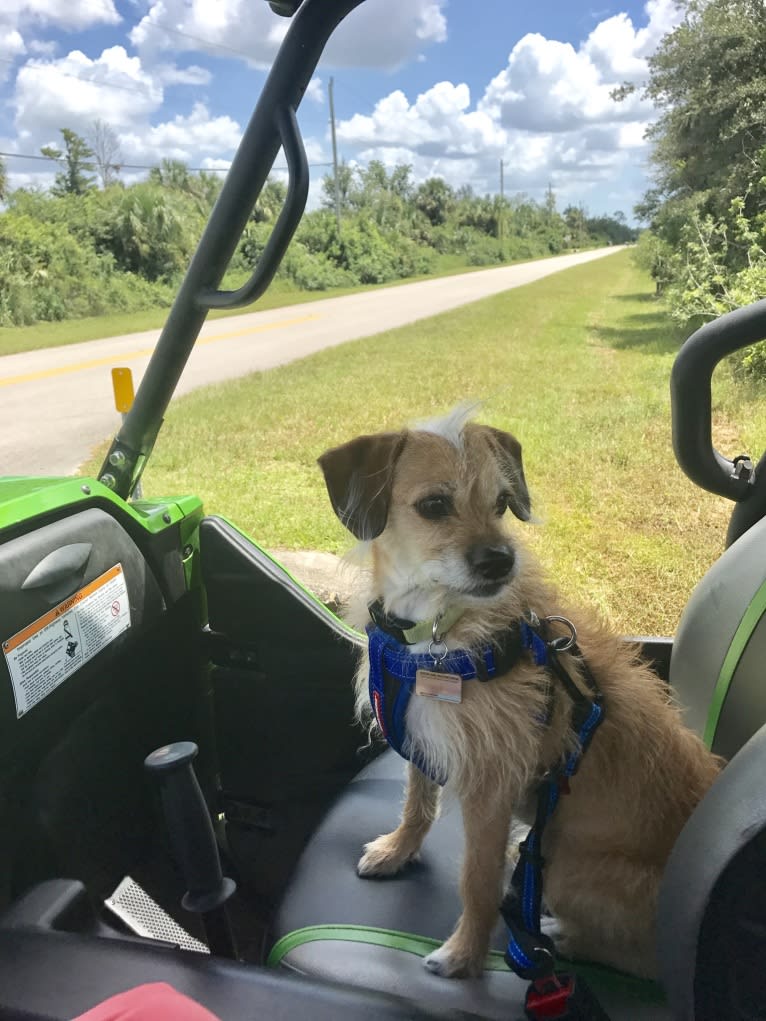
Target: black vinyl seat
(373, 933)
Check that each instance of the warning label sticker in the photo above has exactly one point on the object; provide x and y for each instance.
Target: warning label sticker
(46, 652)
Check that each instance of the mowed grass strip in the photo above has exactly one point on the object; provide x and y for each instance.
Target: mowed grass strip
(576, 366)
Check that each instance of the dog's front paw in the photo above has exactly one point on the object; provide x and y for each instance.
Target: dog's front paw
(384, 857)
(452, 960)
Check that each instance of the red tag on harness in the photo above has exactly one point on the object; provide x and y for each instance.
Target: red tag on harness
(549, 998)
(377, 705)
(562, 998)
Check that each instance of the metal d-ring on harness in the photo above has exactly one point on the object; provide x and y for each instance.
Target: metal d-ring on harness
(437, 640)
(530, 953)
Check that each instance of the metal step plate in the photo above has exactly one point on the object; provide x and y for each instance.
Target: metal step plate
(143, 916)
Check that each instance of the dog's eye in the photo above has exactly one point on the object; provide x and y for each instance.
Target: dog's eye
(502, 503)
(433, 507)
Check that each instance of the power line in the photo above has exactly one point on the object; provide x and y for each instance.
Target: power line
(131, 166)
(145, 91)
(357, 95)
(205, 42)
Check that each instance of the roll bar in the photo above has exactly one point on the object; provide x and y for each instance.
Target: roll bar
(691, 402)
(273, 124)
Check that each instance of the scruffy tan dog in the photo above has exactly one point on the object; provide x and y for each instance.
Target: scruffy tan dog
(432, 502)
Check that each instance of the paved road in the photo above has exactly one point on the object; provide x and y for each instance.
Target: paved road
(57, 404)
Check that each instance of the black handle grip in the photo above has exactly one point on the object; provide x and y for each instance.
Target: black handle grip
(284, 228)
(190, 829)
(691, 399)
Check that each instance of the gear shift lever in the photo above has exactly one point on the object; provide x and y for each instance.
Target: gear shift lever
(192, 841)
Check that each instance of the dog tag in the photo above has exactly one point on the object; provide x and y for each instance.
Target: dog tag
(442, 687)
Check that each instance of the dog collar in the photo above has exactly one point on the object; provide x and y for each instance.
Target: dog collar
(410, 632)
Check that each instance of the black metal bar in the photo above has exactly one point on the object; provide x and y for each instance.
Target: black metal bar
(293, 67)
(691, 400)
(284, 228)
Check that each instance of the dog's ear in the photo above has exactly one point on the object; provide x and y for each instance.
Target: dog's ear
(507, 449)
(358, 477)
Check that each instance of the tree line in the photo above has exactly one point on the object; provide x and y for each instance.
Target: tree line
(706, 208)
(92, 244)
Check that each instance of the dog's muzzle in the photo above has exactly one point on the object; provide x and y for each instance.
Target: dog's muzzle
(491, 565)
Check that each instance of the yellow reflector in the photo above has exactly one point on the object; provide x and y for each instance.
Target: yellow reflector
(122, 383)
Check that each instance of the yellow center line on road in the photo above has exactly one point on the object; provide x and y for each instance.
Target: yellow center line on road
(94, 363)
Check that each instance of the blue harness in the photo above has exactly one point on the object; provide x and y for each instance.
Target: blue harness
(393, 670)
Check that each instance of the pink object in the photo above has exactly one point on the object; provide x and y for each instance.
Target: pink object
(155, 1002)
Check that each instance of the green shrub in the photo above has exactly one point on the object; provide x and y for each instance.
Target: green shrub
(47, 274)
(366, 254)
(124, 248)
(312, 272)
(484, 251)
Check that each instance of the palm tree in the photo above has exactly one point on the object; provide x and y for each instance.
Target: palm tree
(150, 234)
(172, 174)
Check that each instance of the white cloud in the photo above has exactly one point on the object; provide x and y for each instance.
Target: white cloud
(42, 47)
(221, 28)
(315, 152)
(76, 90)
(386, 33)
(170, 74)
(216, 164)
(11, 46)
(64, 13)
(612, 49)
(432, 25)
(183, 138)
(31, 179)
(437, 123)
(17, 15)
(620, 51)
(314, 91)
(379, 33)
(550, 86)
(548, 114)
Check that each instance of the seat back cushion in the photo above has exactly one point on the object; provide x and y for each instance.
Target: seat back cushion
(712, 916)
(716, 666)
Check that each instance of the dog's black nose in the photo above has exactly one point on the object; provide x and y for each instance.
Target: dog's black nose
(493, 563)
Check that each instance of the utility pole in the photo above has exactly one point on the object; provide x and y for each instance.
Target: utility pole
(501, 212)
(334, 154)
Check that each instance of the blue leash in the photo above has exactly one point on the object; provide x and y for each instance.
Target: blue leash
(530, 953)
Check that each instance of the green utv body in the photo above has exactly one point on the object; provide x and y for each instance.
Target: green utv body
(203, 641)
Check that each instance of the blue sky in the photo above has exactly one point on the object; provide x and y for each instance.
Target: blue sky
(449, 87)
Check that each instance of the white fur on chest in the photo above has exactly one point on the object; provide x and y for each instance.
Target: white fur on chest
(431, 726)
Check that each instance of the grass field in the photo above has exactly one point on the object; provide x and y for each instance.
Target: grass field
(576, 365)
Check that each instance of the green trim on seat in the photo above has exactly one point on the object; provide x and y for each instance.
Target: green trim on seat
(418, 945)
(742, 636)
(630, 986)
